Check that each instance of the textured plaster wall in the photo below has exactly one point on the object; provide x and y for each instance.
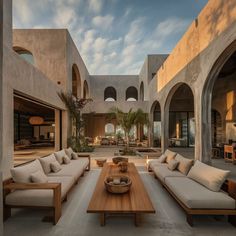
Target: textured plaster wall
(213, 20)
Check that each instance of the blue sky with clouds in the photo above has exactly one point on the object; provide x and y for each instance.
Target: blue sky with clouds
(112, 36)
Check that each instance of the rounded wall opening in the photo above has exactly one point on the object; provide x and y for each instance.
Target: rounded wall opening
(110, 94)
(76, 81)
(131, 94)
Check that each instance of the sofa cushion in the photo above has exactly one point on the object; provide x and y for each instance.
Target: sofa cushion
(151, 163)
(69, 152)
(39, 177)
(39, 197)
(172, 165)
(75, 168)
(162, 171)
(194, 195)
(21, 174)
(74, 156)
(66, 160)
(169, 155)
(45, 162)
(59, 156)
(184, 164)
(55, 166)
(162, 158)
(209, 176)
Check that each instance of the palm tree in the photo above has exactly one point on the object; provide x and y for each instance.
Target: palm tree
(74, 106)
(128, 120)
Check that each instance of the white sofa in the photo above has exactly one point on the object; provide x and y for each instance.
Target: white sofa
(196, 187)
(50, 188)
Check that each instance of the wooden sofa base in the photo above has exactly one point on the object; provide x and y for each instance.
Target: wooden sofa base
(190, 212)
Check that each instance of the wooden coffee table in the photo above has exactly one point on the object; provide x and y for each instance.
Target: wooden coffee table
(135, 202)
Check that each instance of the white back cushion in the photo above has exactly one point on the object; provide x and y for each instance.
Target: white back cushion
(39, 177)
(59, 156)
(209, 176)
(169, 155)
(45, 162)
(21, 174)
(69, 152)
(184, 164)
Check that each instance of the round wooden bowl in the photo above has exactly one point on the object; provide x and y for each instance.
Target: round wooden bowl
(118, 184)
(100, 162)
(116, 160)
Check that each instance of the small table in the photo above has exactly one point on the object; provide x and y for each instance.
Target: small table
(135, 202)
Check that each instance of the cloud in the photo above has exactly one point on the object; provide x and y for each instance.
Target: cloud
(103, 22)
(100, 44)
(22, 12)
(96, 5)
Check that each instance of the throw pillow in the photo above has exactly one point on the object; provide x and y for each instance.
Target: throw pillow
(162, 158)
(74, 156)
(59, 156)
(185, 164)
(69, 152)
(55, 166)
(66, 160)
(172, 165)
(169, 155)
(209, 176)
(39, 177)
(45, 162)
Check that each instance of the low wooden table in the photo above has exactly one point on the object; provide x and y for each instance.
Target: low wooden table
(135, 202)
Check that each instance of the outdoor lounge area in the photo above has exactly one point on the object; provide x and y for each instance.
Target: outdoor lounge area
(117, 117)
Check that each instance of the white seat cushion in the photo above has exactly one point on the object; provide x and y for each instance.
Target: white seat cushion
(22, 174)
(162, 171)
(75, 168)
(151, 163)
(39, 197)
(194, 195)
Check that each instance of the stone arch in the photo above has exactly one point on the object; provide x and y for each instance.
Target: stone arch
(141, 92)
(76, 81)
(85, 90)
(131, 94)
(110, 94)
(179, 128)
(206, 136)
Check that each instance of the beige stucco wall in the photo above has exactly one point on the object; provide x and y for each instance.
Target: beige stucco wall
(213, 20)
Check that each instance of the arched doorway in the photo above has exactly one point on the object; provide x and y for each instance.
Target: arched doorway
(141, 92)
(181, 127)
(76, 81)
(85, 90)
(131, 94)
(110, 94)
(155, 126)
(219, 92)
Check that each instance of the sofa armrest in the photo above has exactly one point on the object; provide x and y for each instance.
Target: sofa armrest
(85, 156)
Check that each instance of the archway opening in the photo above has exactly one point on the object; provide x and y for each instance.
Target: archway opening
(25, 54)
(181, 117)
(131, 94)
(141, 91)
(156, 124)
(76, 81)
(110, 94)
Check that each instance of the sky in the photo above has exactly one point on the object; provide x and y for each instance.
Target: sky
(112, 36)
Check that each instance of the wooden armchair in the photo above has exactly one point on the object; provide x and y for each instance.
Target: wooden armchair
(229, 153)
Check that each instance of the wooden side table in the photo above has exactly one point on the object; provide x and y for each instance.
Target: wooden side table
(229, 153)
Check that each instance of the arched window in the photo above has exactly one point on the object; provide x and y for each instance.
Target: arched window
(109, 129)
(76, 81)
(25, 54)
(110, 94)
(131, 94)
(85, 90)
(141, 92)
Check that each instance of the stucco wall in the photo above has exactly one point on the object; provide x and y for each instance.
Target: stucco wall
(213, 20)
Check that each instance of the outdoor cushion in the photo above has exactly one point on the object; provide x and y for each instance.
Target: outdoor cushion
(151, 163)
(162, 158)
(75, 168)
(194, 195)
(169, 155)
(66, 160)
(45, 162)
(184, 164)
(39, 197)
(208, 176)
(74, 156)
(162, 172)
(55, 166)
(172, 165)
(69, 152)
(59, 156)
(39, 177)
(21, 174)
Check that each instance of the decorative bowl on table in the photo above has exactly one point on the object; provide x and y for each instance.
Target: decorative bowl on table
(118, 184)
(123, 166)
(116, 160)
(101, 162)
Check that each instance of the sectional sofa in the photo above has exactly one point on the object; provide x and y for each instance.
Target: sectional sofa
(198, 188)
(44, 182)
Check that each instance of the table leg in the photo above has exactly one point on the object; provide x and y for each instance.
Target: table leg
(137, 219)
(102, 219)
